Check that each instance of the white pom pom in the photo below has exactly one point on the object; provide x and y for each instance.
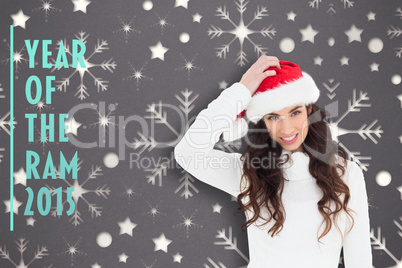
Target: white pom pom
(237, 130)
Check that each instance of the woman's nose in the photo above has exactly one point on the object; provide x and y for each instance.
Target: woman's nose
(286, 127)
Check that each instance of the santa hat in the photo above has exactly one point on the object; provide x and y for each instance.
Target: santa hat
(290, 86)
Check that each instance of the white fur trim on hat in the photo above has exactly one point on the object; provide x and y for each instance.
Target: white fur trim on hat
(301, 91)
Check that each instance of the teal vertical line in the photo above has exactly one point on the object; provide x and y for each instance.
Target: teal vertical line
(11, 128)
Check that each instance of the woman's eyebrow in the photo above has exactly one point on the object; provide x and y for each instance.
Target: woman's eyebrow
(297, 107)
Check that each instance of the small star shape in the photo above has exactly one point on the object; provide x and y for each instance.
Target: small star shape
(374, 67)
(96, 265)
(217, 208)
(158, 51)
(177, 257)
(308, 34)
(371, 15)
(72, 126)
(223, 84)
(318, 60)
(291, 15)
(400, 139)
(123, 257)
(16, 205)
(126, 226)
(161, 243)
(354, 34)
(19, 19)
(30, 221)
(80, 5)
(197, 17)
(20, 177)
(344, 61)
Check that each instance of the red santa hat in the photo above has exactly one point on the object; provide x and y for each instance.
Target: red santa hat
(290, 86)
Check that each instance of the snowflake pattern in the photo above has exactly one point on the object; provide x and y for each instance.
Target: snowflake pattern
(138, 74)
(229, 242)
(46, 7)
(72, 250)
(46, 143)
(126, 28)
(396, 32)
(159, 116)
(108, 65)
(241, 32)
(163, 22)
(189, 66)
(188, 222)
(80, 192)
(18, 57)
(379, 243)
(364, 131)
(22, 246)
(5, 123)
(154, 212)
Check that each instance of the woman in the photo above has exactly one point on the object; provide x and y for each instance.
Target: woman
(302, 201)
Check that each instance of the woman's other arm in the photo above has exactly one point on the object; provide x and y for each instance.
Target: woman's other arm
(357, 245)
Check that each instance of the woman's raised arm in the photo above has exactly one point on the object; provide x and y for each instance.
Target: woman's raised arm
(195, 151)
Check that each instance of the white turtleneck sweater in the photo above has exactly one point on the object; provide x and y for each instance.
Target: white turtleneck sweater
(296, 245)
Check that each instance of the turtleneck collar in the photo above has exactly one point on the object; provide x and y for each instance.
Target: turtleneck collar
(296, 169)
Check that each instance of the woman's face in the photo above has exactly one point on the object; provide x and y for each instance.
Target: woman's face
(289, 123)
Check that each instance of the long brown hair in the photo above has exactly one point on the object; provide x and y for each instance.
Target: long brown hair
(265, 185)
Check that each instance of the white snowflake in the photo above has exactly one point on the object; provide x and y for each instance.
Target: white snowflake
(396, 32)
(41, 106)
(46, 143)
(46, 7)
(22, 246)
(189, 66)
(5, 123)
(159, 116)
(364, 131)
(163, 22)
(18, 57)
(230, 242)
(108, 65)
(104, 120)
(153, 211)
(138, 74)
(241, 32)
(80, 192)
(188, 222)
(378, 243)
(126, 28)
(72, 250)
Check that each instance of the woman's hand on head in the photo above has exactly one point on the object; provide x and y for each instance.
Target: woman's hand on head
(254, 76)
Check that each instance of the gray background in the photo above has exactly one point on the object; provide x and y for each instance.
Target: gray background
(376, 148)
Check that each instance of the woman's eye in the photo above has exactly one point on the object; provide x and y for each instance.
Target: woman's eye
(271, 118)
(298, 112)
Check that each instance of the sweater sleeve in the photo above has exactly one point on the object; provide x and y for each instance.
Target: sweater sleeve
(195, 152)
(357, 250)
